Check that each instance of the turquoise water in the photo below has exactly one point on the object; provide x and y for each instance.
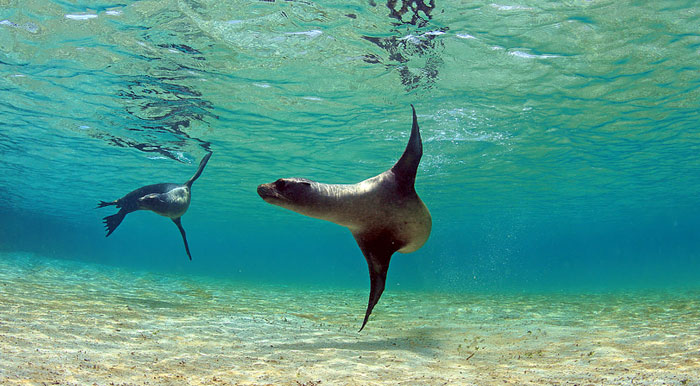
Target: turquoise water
(561, 139)
(561, 166)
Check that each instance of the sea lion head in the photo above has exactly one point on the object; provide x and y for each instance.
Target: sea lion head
(289, 193)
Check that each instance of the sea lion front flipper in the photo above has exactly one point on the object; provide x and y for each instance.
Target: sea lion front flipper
(202, 164)
(407, 166)
(182, 232)
(377, 248)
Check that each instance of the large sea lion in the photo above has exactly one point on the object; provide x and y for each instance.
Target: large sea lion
(384, 213)
(169, 200)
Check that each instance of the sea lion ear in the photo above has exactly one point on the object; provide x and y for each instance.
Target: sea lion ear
(407, 166)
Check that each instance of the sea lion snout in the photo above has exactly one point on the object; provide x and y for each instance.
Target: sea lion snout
(263, 190)
(267, 191)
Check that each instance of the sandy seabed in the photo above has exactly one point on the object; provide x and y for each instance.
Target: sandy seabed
(69, 323)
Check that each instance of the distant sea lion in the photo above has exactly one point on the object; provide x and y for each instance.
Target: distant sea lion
(384, 213)
(169, 200)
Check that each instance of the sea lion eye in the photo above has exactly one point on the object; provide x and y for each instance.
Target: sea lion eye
(280, 184)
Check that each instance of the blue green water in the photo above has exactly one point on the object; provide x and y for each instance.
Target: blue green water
(561, 139)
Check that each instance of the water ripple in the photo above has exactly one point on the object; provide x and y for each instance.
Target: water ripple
(549, 97)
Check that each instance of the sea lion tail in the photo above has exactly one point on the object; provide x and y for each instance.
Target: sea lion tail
(102, 204)
(202, 164)
(113, 221)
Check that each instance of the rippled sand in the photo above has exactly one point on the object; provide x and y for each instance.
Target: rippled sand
(68, 323)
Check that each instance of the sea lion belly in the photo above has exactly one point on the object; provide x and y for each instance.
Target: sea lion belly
(173, 203)
(412, 229)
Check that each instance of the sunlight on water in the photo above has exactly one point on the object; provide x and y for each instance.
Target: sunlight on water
(561, 146)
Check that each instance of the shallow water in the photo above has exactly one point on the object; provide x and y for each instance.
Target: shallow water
(560, 166)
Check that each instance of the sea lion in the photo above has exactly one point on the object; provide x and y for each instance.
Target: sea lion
(383, 213)
(169, 200)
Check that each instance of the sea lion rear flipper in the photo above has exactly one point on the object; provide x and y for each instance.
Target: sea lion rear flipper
(113, 221)
(102, 204)
(182, 232)
(202, 164)
(377, 248)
